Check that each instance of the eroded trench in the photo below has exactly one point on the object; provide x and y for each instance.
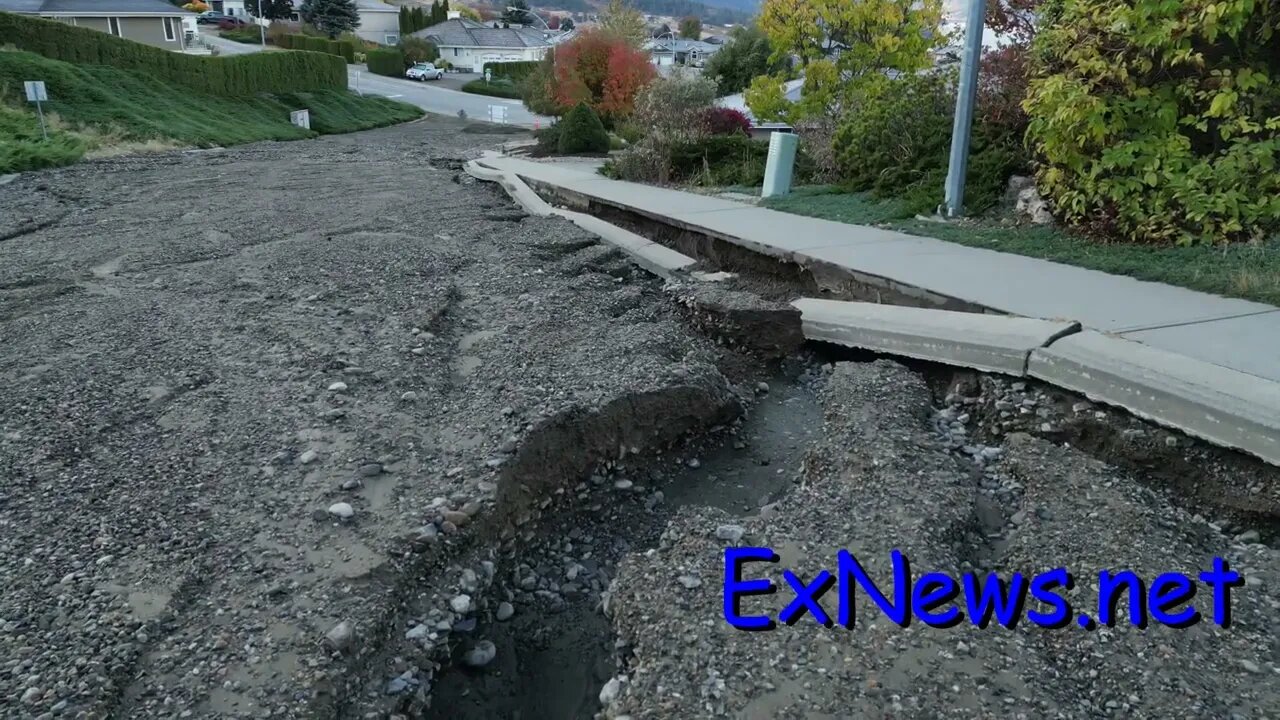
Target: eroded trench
(544, 647)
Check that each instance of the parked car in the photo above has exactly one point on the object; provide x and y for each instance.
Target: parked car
(424, 71)
(231, 23)
(211, 17)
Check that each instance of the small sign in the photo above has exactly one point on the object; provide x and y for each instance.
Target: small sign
(488, 75)
(498, 114)
(301, 118)
(35, 91)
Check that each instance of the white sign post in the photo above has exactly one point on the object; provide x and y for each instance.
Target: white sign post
(498, 114)
(37, 94)
(488, 75)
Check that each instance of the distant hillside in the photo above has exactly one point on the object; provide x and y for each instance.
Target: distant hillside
(702, 9)
(750, 7)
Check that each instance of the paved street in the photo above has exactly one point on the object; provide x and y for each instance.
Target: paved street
(440, 100)
(429, 96)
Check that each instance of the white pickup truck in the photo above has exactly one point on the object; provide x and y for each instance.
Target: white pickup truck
(424, 71)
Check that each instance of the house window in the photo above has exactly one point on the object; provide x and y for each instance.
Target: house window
(391, 39)
(168, 29)
(455, 52)
(113, 25)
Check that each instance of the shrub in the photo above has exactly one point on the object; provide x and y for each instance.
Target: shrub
(717, 160)
(516, 71)
(236, 75)
(500, 87)
(582, 132)
(418, 50)
(347, 49)
(602, 71)
(1159, 121)
(284, 41)
(537, 90)
(385, 61)
(726, 121)
(747, 54)
(896, 140)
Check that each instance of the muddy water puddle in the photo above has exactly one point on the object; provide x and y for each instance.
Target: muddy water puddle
(558, 650)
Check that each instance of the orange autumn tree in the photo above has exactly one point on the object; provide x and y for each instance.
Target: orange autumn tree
(602, 71)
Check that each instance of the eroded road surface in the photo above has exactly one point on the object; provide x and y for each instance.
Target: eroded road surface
(329, 429)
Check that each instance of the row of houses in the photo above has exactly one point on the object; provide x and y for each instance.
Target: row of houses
(464, 43)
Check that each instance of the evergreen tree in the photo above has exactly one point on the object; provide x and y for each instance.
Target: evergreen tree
(406, 20)
(444, 10)
(517, 12)
(419, 18)
(331, 17)
(566, 24)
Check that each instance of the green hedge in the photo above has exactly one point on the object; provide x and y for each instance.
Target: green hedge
(345, 49)
(500, 87)
(516, 71)
(236, 75)
(386, 61)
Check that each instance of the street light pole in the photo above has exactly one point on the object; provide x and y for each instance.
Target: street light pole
(262, 28)
(673, 46)
(966, 94)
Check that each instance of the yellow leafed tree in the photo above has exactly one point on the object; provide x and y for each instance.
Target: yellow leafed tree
(622, 20)
(839, 42)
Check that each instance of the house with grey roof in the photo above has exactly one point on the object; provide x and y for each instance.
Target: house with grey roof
(680, 51)
(153, 22)
(469, 44)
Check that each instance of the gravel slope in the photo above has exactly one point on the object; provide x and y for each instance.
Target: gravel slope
(249, 394)
(881, 478)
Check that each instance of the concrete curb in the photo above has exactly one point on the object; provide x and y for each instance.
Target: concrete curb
(991, 343)
(1223, 406)
(653, 257)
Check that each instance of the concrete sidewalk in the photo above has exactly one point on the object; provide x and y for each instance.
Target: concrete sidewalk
(1236, 334)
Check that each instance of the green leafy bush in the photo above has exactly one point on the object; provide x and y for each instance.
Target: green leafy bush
(500, 87)
(895, 142)
(385, 61)
(1159, 121)
(712, 161)
(582, 132)
(235, 75)
(418, 50)
(516, 71)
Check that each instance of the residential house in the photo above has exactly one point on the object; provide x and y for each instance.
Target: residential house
(379, 22)
(153, 22)
(468, 44)
(234, 8)
(680, 51)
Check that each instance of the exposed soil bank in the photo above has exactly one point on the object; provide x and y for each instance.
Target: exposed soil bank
(557, 651)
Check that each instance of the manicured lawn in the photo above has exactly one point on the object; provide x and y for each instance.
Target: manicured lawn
(1244, 271)
(92, 107)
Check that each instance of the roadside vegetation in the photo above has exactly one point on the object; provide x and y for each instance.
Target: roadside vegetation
(1139, 138)
(1244, 270)
(93, 109)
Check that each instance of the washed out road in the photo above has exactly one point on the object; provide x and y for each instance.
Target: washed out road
(329, 429)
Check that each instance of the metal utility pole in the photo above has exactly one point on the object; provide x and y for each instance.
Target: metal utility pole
(262, 28)
(966, 94)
